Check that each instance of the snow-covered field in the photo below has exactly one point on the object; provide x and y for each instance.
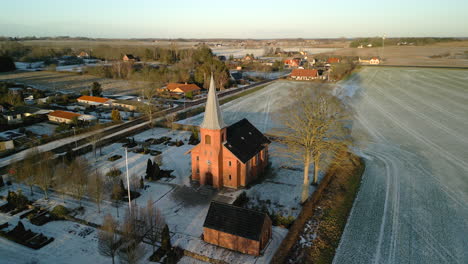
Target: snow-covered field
(258, 107)
(413, 203)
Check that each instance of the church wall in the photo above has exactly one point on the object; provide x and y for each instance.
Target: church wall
(230, 168)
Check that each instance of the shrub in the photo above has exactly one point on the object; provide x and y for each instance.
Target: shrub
(114, 172)
(60, 211)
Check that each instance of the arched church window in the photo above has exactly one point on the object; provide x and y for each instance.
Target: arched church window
(207, 139)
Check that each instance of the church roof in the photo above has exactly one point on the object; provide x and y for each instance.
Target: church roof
(213, 118)
(235, 220)
(244, 140)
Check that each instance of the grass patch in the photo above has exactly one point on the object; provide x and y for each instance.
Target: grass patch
(336, 203)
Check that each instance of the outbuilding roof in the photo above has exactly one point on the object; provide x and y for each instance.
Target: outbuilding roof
(64, 114)
(184, 87)
(235, 220)
(244, 140)
(95, 99)
(304, 72)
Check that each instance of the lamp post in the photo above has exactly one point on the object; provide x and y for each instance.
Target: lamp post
(74, 135)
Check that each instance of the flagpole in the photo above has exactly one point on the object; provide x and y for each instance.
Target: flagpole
(128, 183)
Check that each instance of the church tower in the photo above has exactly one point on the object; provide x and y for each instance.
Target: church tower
(209, 161)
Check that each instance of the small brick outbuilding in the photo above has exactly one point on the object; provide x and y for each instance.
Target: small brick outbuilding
(237, 228)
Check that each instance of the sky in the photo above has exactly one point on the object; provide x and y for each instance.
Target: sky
(234, 19)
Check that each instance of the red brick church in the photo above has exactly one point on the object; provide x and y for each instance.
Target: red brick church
(227, 156)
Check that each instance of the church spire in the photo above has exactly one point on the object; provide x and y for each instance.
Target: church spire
(213, 118)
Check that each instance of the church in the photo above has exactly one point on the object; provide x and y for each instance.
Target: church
(227, 156)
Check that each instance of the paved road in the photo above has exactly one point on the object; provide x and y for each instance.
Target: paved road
(83, 139)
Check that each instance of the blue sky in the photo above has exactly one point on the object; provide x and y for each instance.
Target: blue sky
(234, 19)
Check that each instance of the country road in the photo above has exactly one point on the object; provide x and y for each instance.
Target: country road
(413, 203)
(83, 139)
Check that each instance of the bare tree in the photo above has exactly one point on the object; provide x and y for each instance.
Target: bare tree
(116, 196)
(62, 179)
(44, 172)
(171, 118)
(133, 229)
(25, 170)
(96, 188)
(79, 170)
(108, 238)
(149, 108)
(154, 222)
(313, 129)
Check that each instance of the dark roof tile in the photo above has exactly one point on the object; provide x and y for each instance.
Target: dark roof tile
(244, 140)
(235, 220)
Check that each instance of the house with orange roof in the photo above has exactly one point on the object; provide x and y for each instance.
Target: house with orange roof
(59, 116)
(183, 88)
(333, 60)
(374, 61)
(94, 100)
(295, 62)
(304, 74)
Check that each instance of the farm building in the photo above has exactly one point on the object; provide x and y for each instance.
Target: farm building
(236, 228)
(333, 60)
(66, 117)
(292, 62)
(94, 100)
(15, 115)
(130, 57)
(374, 61)
(183, 88)
(83, 55)
(304, 74)
(227, 156)
(59, 116)
(127, 104)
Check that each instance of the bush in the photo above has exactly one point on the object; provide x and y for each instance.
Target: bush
(60, 211)
(18, 200)
(6, 64)
(114, 172)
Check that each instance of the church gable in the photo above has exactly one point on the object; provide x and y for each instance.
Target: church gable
(244, 140)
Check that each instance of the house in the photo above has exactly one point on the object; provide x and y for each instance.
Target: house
(16, 114)
(6, 145)
(361, 61)
(130, 57)
(248, 58)
(127, 104)
(59, 116)
(237, 228)
(94, 100)
(374, 61)
(183, 88)
(304, 74)
(333, 60)
(83, 55)
(227, 156)
(292, 62)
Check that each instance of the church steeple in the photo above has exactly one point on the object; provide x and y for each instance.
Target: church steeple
(213, 118)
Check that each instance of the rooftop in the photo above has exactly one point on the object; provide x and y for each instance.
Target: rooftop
(244, 140)
(64, 114)
(93, 99)
(304, 72)
(235, 220)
